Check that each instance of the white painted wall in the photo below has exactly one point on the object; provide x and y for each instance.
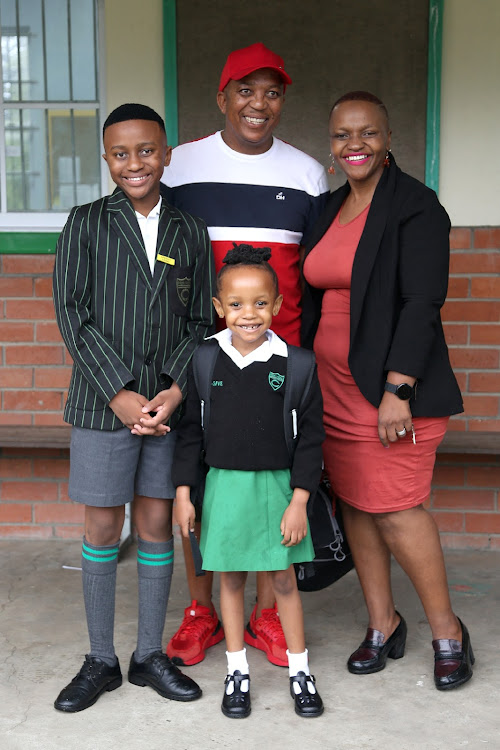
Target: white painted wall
(469, 184)
(133, 44)
(134, 53)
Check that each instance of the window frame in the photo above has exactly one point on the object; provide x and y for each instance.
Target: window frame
(24, 231)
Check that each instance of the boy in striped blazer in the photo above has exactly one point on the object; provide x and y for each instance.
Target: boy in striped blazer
(133, 282)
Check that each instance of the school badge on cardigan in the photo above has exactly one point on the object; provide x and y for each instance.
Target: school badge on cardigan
(183, 287)
(276, 380)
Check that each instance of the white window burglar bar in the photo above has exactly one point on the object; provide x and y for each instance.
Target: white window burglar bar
(50, 111)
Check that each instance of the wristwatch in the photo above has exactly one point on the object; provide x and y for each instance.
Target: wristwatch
(404, 391)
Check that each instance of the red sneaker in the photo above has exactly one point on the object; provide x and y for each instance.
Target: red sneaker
(265, 632)
(199, 630)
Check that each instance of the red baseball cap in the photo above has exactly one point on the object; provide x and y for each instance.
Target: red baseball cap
(242, 62)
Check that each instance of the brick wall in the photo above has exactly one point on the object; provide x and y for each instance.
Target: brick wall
(35, 366)
(35, 371)
(471, 317)
(465, 501)
(34, 495)
(34, 375)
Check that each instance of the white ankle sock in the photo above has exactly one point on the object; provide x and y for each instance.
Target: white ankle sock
(299, 663)
(237, 660)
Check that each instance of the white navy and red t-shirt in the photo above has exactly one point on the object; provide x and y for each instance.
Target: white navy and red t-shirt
(267, 200)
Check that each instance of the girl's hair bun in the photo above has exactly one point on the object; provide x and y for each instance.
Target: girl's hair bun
(247, 255)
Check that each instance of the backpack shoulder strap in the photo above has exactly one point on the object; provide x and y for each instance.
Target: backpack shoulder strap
(300, 368)
(203, 367)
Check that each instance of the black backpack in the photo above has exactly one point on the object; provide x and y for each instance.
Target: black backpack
(332, 555)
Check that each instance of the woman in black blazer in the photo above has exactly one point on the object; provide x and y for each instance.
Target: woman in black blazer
(377, 273)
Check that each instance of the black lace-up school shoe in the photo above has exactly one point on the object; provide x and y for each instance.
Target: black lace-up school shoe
(372, 654)
(307, 704)
(158, 672)
(94, 678)
(237, 705)
(452, 661)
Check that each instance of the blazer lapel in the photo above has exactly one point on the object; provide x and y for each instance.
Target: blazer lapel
(369, 243)
(124, 222)
(169, 239)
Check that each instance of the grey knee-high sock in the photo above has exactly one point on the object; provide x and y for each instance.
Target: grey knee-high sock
(154, 567)
(99, 583)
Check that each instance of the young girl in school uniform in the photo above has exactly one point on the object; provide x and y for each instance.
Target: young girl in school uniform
(254, 507)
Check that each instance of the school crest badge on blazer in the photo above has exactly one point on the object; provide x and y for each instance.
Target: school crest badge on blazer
(276, 380)
(183, 287)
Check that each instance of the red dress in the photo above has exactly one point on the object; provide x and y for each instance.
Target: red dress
(362, 472)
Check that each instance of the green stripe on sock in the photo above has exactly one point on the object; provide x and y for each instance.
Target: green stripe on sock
(150, 556)
(103, 555)
(99, 559)
(151, 562)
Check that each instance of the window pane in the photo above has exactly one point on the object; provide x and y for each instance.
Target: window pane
(57, 50)
(64, 167)
(14, 161)
(26, 171)
(10, 58)
(50, 156)
(74, 158)
(86, 129)
(52, 159)
(34, 150)
(83, 63)
(31, 48)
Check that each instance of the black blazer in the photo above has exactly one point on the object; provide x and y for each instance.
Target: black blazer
(398, 286)
(123, 326)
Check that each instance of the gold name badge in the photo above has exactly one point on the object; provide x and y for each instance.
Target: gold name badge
(166, 259)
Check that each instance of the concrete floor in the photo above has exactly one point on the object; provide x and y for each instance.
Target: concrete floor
(43, 639)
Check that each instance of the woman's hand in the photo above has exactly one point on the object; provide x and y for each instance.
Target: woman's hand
(294, 521)
(394, 415)
(184, 510)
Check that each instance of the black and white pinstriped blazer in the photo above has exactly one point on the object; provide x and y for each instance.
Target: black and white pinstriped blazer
(122, 326)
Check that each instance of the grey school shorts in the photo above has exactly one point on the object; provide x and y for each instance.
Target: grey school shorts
(108, 467)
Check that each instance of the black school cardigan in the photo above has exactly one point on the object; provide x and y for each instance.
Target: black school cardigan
(239, 435)
(398, 286)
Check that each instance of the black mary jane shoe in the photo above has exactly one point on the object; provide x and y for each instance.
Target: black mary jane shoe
(308, 705)
(373, 653)
(453, 661)
(94, 678)
(158, 672)
(237, 705)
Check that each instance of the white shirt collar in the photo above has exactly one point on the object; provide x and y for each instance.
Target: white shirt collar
(263, 353)
(152, 214)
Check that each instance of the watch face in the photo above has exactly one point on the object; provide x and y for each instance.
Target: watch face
(404, 391)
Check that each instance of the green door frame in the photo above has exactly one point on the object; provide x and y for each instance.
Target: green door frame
(42, 243)
(170, 70)
(434, 65)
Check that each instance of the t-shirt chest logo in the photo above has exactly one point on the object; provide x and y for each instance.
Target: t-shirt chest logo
(276, 380)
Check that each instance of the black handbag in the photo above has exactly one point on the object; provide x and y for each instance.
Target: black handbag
(332, 556)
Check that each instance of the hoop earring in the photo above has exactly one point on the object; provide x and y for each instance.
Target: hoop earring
(331, 168)
(387, 160)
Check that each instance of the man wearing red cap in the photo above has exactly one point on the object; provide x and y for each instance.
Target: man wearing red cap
(249, 187)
